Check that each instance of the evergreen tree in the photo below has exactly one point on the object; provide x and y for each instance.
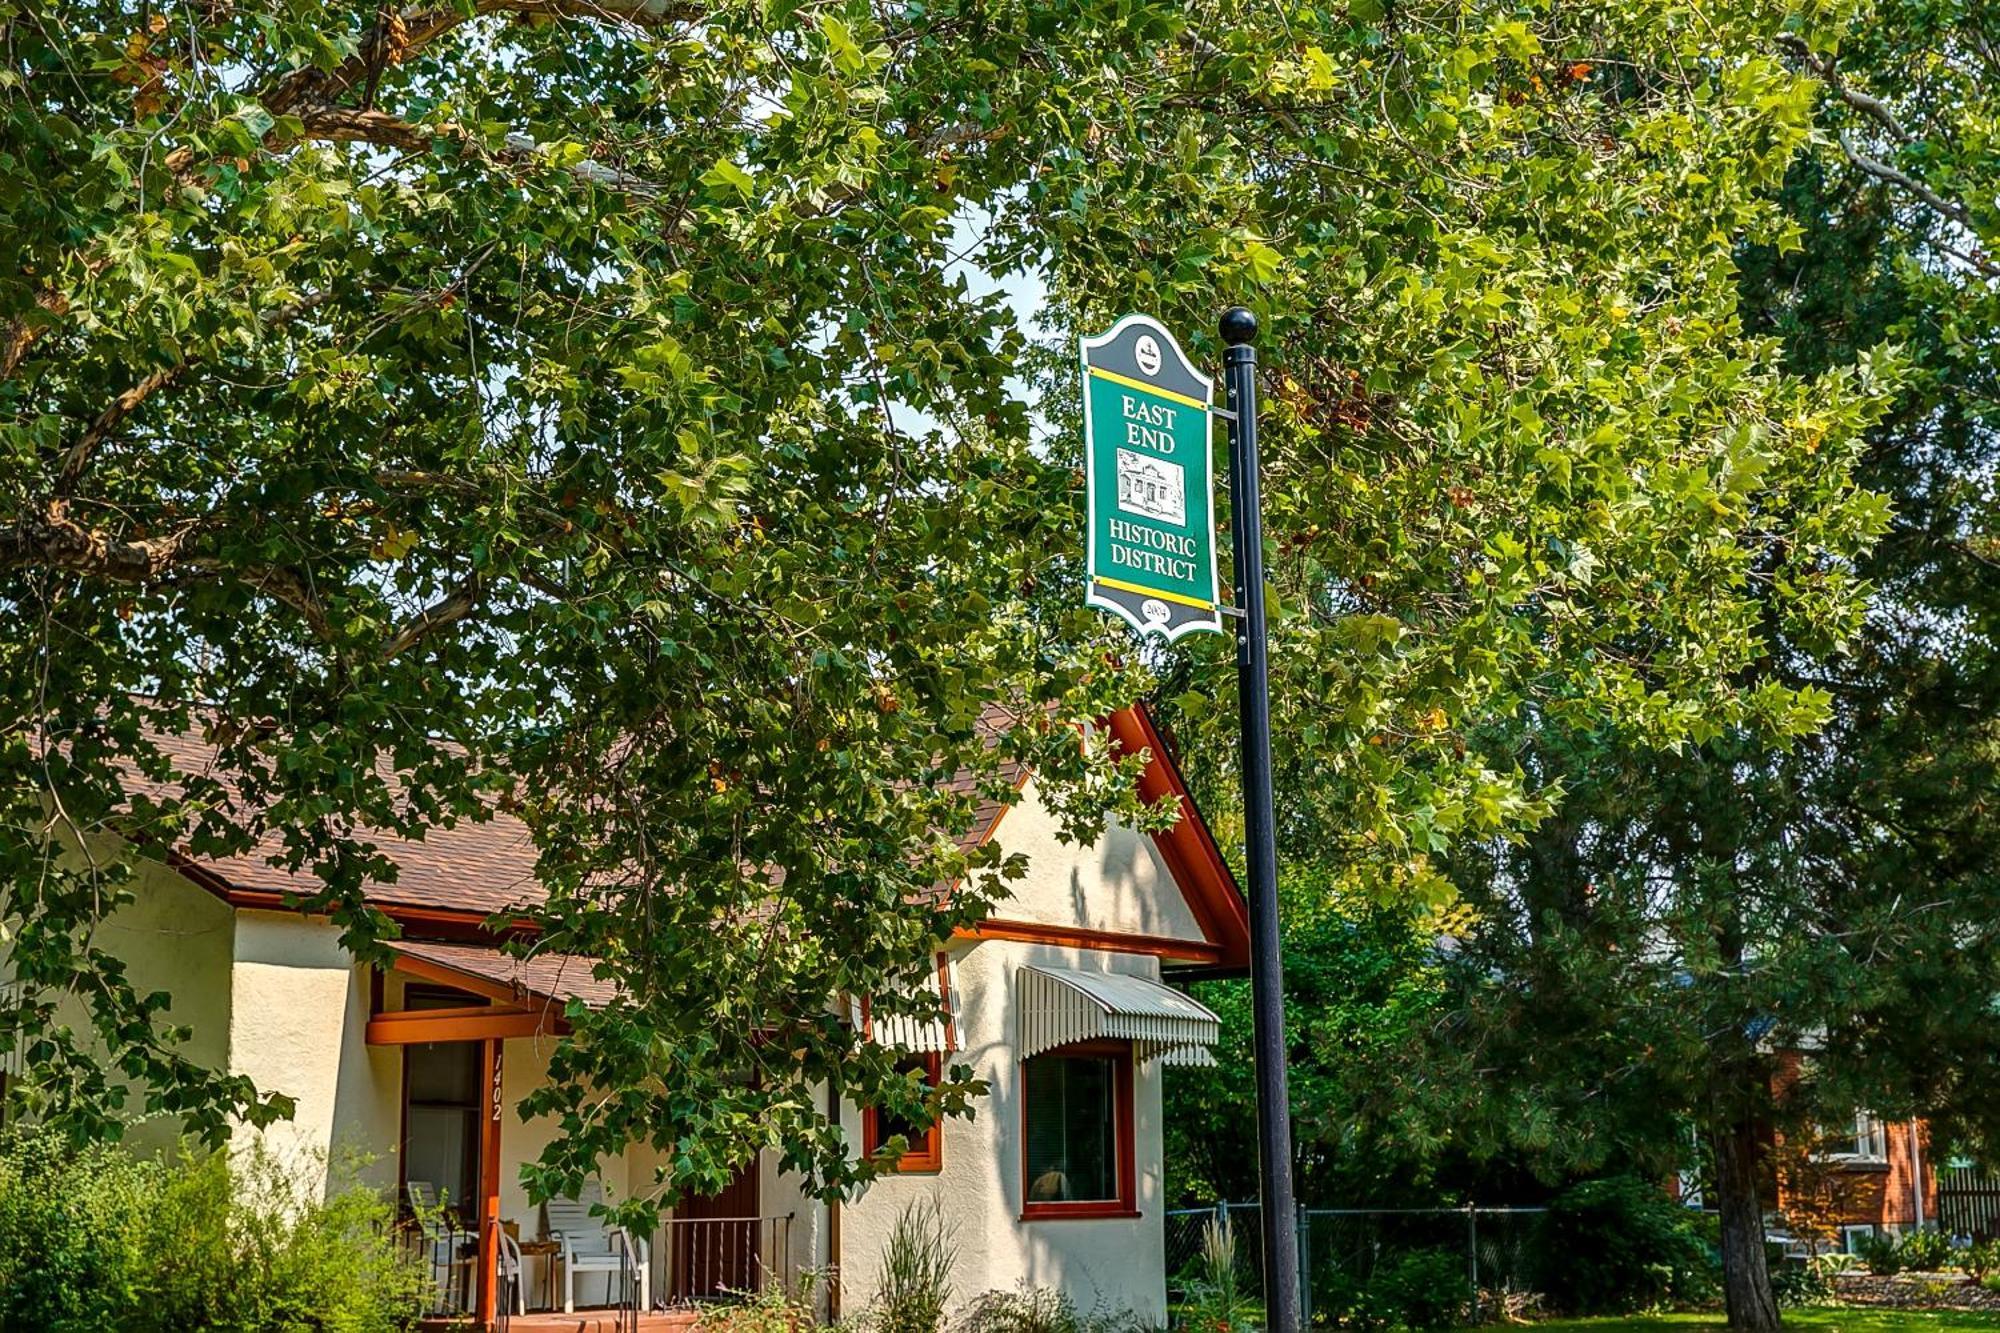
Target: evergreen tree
(1648, 957)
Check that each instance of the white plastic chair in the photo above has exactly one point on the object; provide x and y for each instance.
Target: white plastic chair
(513, 1273)
(445, 1248)
(590, 1246)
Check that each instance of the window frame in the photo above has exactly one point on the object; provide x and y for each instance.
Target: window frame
(922, 1158)
(1854, 1145)
(1127, 1202)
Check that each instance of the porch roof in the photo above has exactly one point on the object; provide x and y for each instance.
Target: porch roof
(553, 978)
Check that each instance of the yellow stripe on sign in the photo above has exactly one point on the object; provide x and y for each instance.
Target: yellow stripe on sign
(1123, 586)
(1131, 383)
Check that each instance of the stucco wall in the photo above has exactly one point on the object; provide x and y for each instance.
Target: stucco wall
(1114, 1264)
(178, 938)
(298, 1027)
(1118, 883)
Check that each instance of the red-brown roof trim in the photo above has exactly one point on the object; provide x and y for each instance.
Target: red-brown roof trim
(1188, 848)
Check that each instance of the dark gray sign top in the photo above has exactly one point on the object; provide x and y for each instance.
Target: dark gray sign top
(1137, 351)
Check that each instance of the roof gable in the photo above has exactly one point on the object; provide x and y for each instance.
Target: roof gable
(465, 873)
(1207, 924)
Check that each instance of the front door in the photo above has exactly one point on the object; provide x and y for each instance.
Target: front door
(718, 1241)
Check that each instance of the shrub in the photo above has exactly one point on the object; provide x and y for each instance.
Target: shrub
(913, 1285)
(1041, 1310)
(770, 1309)
(1417, 1289)
(1925, 1251)
(1619, 1244)
(1982, 1258)
(96, 1240)
(1797, 1282)
(1880, 1254)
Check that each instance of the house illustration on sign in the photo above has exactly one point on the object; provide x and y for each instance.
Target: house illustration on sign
(1151, 487)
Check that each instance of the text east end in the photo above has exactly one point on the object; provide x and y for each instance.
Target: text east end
(1148, 425)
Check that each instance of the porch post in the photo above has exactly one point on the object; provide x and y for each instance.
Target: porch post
(489, 1183)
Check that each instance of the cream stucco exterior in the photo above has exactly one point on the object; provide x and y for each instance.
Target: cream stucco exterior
(175, 939)
(298, 1026)
(1109, 1263)
(1118, 884)
(274, 996)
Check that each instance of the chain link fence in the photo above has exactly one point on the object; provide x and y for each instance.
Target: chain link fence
(1341, 1249)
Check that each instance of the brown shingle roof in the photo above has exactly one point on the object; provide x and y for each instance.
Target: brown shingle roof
(474, 867)
(468, 867)
(554, 977)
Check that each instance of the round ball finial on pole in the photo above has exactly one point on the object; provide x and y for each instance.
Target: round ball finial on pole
(1239, 326)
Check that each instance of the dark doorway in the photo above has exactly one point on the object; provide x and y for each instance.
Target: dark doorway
(441, 1102)
(718, 1241)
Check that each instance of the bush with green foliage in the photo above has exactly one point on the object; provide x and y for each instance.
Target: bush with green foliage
(772, 1308)
(1617, 1244)
(1880, 1254)
(1981, 1258)
(913, 1283)
(1030, 1309)
(1799, 1282)
(1925, 1251)
(98, 1241)
(1414, 1289)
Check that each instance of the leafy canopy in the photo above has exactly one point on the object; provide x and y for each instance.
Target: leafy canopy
(578, 406)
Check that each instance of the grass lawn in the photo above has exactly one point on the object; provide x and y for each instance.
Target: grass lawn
(1808, 1321)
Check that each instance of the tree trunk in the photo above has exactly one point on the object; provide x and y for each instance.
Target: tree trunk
(1746, 1274)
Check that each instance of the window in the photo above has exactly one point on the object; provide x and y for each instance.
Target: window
(1865, 1140)
(1076, 1132)
(926, 1150)
(1871, 1138)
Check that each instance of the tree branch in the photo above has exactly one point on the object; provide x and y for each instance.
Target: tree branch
(347, 125)
(409, 29)
(21, 333)
(54, 540)
(1828, 72)
(77, 458)
(453, 607)
(79, 454)
(1949, 209)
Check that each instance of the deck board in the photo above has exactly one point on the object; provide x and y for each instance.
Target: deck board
(583, 1321)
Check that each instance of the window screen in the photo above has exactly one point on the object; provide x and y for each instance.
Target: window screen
(1072, 1128)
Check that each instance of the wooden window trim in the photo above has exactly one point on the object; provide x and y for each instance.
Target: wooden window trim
(1127, 1203)
(923, 1158)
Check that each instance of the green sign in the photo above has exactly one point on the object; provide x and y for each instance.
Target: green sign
(1150, 479)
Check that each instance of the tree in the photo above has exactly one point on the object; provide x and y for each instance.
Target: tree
(1654, 953)
(444, 406)
(578, 406)
(1361, 981)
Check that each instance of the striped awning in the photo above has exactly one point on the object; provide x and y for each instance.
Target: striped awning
(926, 1034)
(1059, 1006)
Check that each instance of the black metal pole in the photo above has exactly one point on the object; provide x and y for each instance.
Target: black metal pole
(1253, 688)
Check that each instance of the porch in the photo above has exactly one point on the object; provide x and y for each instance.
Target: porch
(472, 1027)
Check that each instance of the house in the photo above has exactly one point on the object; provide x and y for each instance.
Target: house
(1871, 1177)
(1827, 1190)
(1055, 1000)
